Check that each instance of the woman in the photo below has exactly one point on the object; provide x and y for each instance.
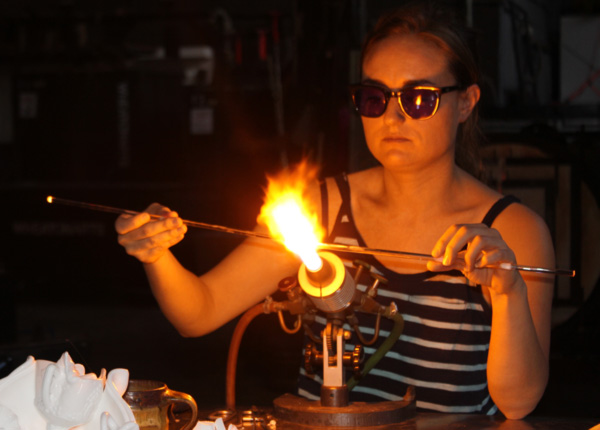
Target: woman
(417, 100)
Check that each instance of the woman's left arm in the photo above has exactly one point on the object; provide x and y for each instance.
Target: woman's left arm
(521, 303)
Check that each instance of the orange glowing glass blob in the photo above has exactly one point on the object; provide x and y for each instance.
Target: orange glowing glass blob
(289, 216)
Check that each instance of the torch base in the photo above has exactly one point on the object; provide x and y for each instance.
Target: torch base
(296, 413)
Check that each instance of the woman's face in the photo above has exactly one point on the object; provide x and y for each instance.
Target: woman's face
(396, 140)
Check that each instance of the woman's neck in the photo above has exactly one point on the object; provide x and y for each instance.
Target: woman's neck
(420, 189)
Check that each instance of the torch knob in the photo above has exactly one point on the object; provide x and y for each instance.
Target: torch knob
(377, 279)
(354, 360)
(312, 358)
(287, 284)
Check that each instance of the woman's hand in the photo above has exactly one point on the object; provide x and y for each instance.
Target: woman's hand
(470, 248)
(147, 238)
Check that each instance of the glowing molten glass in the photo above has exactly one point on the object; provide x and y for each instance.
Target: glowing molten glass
(289, 217)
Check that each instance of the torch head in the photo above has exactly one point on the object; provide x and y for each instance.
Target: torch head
(330, 288)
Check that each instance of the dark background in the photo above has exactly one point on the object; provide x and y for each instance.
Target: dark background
(95, 106)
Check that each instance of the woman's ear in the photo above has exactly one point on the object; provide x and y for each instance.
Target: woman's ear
(467, 101)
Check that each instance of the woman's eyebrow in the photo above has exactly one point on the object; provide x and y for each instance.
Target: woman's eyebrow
(373, 82)
(418, 82)
(407, 84)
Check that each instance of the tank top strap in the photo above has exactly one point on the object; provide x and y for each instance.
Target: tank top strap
(497, 208)
(342, 182)
(344, 211)
(324, 205)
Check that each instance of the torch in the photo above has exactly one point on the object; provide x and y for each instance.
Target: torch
(332, 290)
(322, 275)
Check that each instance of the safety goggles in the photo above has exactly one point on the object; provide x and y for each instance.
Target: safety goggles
(420, 102)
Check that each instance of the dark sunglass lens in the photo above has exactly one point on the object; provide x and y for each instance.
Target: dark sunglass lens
(419, 103)
(369, 101)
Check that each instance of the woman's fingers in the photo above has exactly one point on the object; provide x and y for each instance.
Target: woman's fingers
(149, 234)
(474, 249)
(457, 237)
(126, 223)
(154, 245)
(140, 230)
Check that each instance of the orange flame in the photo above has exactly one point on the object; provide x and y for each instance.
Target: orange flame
(418, 100)
(290, 217)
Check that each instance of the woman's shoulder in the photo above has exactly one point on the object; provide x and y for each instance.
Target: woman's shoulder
(522, 228)
(359, 176)
(518, 217)
(527, 234)
(355, 180)
(514, 213)
(368, 180)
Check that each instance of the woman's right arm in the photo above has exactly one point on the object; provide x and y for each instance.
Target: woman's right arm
(197, 305)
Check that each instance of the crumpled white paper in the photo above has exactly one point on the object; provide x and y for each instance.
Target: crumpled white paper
(218, 424)
(42, 395)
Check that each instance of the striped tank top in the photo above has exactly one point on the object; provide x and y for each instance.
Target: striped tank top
(443, 349)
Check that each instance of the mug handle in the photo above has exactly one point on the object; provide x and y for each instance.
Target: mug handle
(173, 396)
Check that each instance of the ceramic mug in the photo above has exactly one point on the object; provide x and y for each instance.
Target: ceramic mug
(151, 403)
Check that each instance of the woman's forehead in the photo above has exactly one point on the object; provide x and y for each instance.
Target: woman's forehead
(406, 57)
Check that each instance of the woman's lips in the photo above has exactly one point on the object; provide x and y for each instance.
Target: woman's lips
(395, 139)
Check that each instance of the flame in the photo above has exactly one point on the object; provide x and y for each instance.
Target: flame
(289, 216)
(418, 101)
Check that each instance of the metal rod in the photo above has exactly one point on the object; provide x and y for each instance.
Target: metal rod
(427, 257)
(102, 208)
(326, 246)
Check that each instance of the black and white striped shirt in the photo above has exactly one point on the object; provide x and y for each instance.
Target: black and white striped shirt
(443, 349)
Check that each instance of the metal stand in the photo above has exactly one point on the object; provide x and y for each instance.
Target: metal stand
(334, 410)
(296, 413)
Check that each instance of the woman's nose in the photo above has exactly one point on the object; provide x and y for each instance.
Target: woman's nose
(393, 111)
